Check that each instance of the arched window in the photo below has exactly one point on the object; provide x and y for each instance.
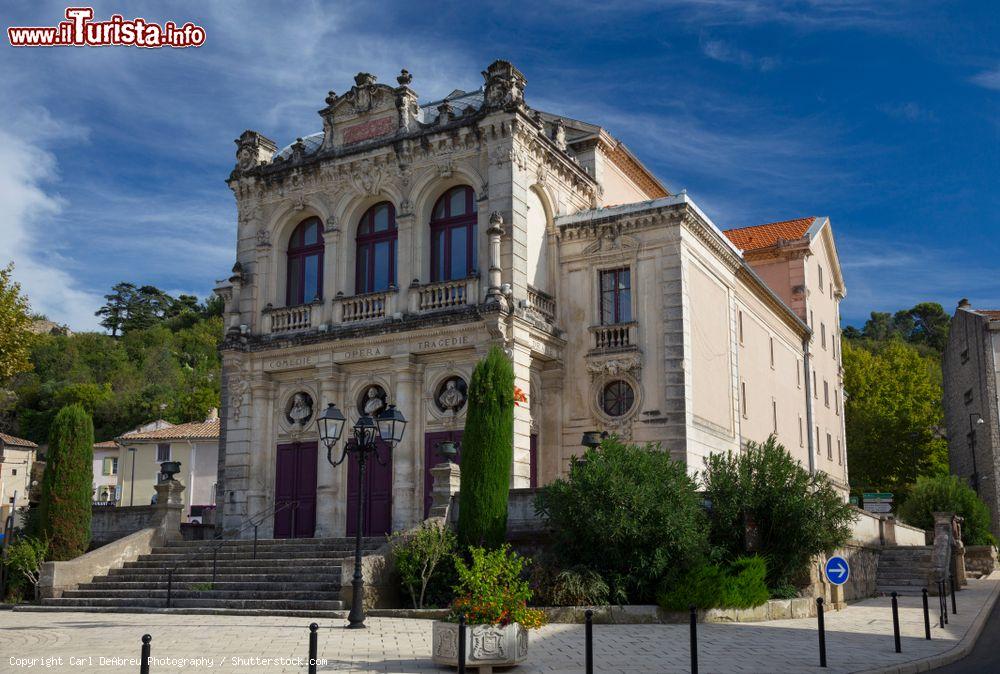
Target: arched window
(305, 263)
(453, 235)
(375, 264)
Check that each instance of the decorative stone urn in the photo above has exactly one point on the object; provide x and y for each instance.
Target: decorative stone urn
(486, 646)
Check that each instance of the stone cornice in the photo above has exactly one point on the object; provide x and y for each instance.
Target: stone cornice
(635, 171)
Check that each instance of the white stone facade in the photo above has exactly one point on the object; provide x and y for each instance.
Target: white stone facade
(544, 237)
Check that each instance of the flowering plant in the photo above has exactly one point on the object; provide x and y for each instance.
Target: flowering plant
(491, 590)
(519, 396)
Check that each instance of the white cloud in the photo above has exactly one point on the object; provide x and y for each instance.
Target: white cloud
(28, 203)
(909, 111)
(988, 79)
(720, 50)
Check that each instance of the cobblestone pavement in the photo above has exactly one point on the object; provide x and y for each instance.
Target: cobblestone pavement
(859, 638)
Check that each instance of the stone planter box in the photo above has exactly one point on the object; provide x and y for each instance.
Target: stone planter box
(486, 646)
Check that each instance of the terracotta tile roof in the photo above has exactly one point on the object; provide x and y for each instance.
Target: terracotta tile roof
(765, 236)
(11, 441)
(197, 430)
(992, 314)
(107, 444)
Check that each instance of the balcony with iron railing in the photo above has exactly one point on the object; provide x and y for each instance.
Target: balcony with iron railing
(614, 337)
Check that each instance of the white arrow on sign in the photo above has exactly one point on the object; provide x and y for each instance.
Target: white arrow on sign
(838, 570)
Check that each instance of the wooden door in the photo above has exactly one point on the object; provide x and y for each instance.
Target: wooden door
(295, 483)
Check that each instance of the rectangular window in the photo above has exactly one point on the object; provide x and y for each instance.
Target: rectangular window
(740, 326)
(829, 447)
(163, 452)
(616, 296)
(815, 388)
(13, 471)
(968, 397)
(822, 334)
(802, 439)
(812, 322)
(840, 453)
(820, 268)
(774, 416)
(798, 373)
(819, 447)
(836, 402)
(826, 393)
(771, 344)
(743, 398)
(106, 469)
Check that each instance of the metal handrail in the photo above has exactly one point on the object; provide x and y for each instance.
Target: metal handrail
(250, 521)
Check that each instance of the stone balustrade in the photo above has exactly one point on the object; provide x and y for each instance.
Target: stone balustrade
(447, 294)
(615, 337)
(542, 303)
(290, 319)
(365, 307)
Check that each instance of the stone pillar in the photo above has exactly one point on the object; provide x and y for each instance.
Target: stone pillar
(495, 232)
(259, 467)
(170, 506)
(263, 288)
(942, 544)
(520, 476)
(327, 477)
(408, 246)
(404, 457)
(958, 553)
(447, 481)
(331, 239)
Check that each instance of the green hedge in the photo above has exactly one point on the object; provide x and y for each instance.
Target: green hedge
(948, 494)
(740, 585)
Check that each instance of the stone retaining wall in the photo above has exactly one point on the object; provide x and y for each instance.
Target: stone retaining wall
(110, 523)
(980, 560)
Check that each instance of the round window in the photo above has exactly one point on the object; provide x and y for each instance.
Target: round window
(617, 398)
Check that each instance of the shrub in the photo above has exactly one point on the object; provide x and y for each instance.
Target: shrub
(487, 453)
(425, 564)
(23, 563)
(741, 585)
(796, 515)
(491, 590)
(67, 483)
(948, 494)
(576, 586)
(629, 514)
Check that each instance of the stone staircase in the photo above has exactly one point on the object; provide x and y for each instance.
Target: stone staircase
(906, 570)
(287, 576)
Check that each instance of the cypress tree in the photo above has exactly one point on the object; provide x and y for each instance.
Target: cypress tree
(487, 453)
(67, 483)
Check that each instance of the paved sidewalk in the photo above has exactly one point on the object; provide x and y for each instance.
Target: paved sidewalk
(859, 639)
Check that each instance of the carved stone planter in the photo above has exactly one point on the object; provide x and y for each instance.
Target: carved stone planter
(486, 646)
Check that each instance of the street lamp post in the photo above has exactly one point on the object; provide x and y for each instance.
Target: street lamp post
(972, 445)
(387, 427)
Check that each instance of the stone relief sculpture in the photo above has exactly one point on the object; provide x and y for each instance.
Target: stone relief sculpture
(300, 411)
(452, 396)
(374, 401)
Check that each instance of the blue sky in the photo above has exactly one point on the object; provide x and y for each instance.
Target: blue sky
(882, 114)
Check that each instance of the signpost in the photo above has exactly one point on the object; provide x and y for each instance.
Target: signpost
(837, 570)
(878, 502)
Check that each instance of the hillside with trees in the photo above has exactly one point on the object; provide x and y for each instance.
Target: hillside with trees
(160, 360)
(894, 416)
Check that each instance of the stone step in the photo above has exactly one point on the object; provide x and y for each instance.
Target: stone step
(902, 591)
(289, 564)
(185, 576)
(170, 558)
(266, 604)
(182, 593)
(226, 585)
(368, 541)
(909, 582)
(261, 549)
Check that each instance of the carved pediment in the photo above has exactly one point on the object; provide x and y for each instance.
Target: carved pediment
(609, 243)
(369, 110)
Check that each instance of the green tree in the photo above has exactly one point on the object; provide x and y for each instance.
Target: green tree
(632, 514)
(795, 514)
(67, 484)
(893, 416)
(15, 321)
(947, 493)
(487, 453)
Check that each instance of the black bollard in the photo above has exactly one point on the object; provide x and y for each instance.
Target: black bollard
(313, 639)
(589, 641)
(940, 593)
(461, 644)
(895, 623)
(954, 606)
(144, 657)
(927, 616)
(822, 631)
(694, 639)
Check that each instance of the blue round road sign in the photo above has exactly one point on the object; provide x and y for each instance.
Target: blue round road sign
(837, 570)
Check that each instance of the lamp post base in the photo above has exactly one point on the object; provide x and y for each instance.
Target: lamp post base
(356, 618)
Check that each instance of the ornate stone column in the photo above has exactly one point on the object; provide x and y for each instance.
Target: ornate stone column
(327, 477)
(170, 506)
(404, 458)
(495, 232)
(259, 466)
(331, 242)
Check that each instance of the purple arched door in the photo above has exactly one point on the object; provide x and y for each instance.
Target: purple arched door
(295, 491)
(376, 518)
